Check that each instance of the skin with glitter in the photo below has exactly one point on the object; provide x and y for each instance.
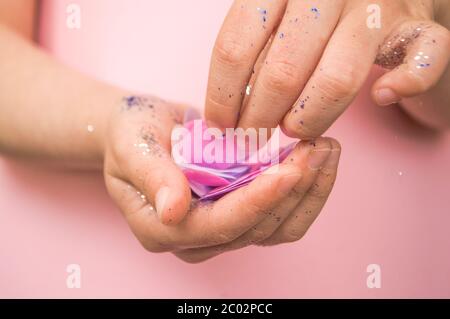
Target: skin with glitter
(326, 52)
(132, 140)
(394, 51)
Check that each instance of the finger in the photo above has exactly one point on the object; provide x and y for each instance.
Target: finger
(342, 70)
(309, 157)
(214, 223)
(298, 222)
(131, 203)
(247, 27)
(255, 72)
(145, 162)
(289, 62)
(417, 54)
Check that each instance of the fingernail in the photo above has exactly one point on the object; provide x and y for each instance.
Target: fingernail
(317, 158)
(160, 200)
(386, 96)
(288, 182)
(333, 158)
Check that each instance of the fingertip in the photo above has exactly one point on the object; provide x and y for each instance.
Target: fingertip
(171, 195)
(335, 144)
(385, 96)
(220, 116)
(302, 150)
(332, 161)
(297, 129)
(426, 60)
(172, 205)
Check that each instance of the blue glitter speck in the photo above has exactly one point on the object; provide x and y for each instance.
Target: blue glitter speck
(263, 13)
(316, 12)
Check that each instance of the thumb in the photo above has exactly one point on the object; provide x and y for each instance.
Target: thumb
(151, 170)
(167, 188)
(417, 55)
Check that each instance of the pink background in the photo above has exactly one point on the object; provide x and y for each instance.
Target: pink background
(375, 215)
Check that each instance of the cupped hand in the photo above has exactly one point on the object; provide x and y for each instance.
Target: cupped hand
(305, 61)
(155, 198)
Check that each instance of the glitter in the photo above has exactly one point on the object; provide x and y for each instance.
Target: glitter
(316, 12)
(130, 100)
(422, 60)
(393, 52)
(400, 173)
(138, 102)
(263, 12)
(248, 89)
(90, 128)
(144, 147)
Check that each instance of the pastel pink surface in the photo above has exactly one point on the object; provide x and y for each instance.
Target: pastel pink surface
(390, 205)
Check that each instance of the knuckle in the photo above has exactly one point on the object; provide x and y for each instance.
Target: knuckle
(257, 235)
(229, 50)
(282, 77)
(257, 201)
(335, 144)
(338, 84)
(320, 192)
(120, 148)
(222, 237)
(154, 247)
(292, 235)
(298, 191)
(216, 233)
(293, 128)
(153, 243)
(329, 175)
(219, 108)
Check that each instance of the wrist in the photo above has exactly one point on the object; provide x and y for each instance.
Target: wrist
(105, 106)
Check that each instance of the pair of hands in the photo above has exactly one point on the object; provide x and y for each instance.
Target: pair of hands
(304, 62)
(155, 197)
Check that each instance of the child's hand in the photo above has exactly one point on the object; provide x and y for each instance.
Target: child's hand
(155, 198)
(306, 60)
(137, 157)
